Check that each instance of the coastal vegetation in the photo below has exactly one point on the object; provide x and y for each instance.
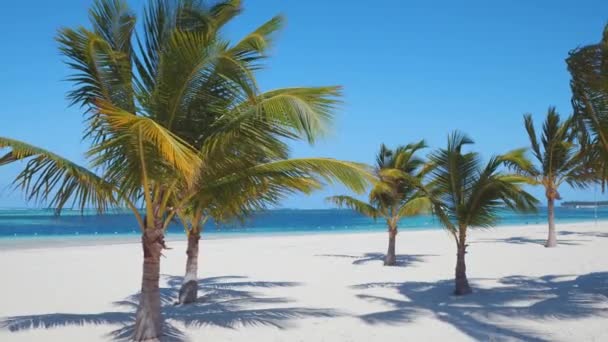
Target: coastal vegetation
(179, 129)
(588, 66)
(396, 192)
(466, 194)
(560, 160)
(173, 115)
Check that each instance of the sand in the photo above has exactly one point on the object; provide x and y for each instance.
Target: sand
(323, 288)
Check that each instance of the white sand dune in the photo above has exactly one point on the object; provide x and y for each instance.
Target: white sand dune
(323, 288)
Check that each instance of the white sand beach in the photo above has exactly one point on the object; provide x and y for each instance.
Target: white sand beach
(323, 288)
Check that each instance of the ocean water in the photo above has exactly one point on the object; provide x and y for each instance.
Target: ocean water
(26, 223)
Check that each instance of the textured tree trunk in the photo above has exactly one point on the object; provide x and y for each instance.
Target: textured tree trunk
(461, 281)
(552, 238)
(189, 290)
(391, 259)
(148, 321)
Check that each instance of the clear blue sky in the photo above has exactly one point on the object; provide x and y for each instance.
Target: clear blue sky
(410, 69)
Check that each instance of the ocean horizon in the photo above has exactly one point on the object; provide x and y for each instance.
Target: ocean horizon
(38, 223)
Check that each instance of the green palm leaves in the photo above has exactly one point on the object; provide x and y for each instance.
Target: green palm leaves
(466, 193)
(51, 178)
(395, 192)
(175, 110)
(559, 160)
(589, 84)
(356, 205)
(559, 157)
(176, 121)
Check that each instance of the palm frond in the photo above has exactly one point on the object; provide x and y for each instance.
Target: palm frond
(561, 160)
(174, 151)
(308, 111)
(529, 124)
(517, 160)
(256, 43)
(353, 175)
(466, 194)
(354, 204)
(415, 206)
(50, 178)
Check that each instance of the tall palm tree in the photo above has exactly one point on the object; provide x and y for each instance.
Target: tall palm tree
(466, 194)
(559, 159)
(145, 96)
(395, 194)
(240, 135)
(147, 157)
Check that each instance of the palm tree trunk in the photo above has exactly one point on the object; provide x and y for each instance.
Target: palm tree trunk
(461, 281)
(552, 238)
(391, 258)
(189, 290)
(148, 321)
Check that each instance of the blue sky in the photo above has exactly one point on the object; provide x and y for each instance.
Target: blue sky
(410, 70)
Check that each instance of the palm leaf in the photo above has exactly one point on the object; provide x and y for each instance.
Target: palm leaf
(354, 204)
(415, 206)
(173, 150)
(308, 111)
(353, 175)
(55, 180)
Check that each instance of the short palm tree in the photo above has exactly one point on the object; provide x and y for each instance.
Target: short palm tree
(237, 188)
(559, 159)
(235, 200)
(395, 194)
(145, 96)
(466, 194)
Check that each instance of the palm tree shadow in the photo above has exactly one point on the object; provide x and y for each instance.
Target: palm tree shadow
(229, 302)
(482, 315)
(522, 240)
(588, 234)
(402, 260)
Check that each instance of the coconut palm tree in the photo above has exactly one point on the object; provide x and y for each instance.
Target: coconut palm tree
(242, 132)
(395, 194)
(245, 186)
(466, 194)
(138, 90)
(255, 188)
(146, 156)
(559, 159)
(588, 66)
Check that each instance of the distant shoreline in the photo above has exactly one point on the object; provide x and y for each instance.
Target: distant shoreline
(86, 240)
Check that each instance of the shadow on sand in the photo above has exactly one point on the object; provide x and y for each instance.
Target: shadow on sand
(584, 234)
(521, 240)
(227, 302)
(490, 313)
(403, 260)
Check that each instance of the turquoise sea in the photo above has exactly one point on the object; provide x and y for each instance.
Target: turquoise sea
(28, 223)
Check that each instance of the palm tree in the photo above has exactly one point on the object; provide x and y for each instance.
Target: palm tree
(240, 134)
(235, 200)
(146, 157)
(465, 194)
(588, 66)
(560, 161)
(144, 96)
(242, 190)
(395, 194)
